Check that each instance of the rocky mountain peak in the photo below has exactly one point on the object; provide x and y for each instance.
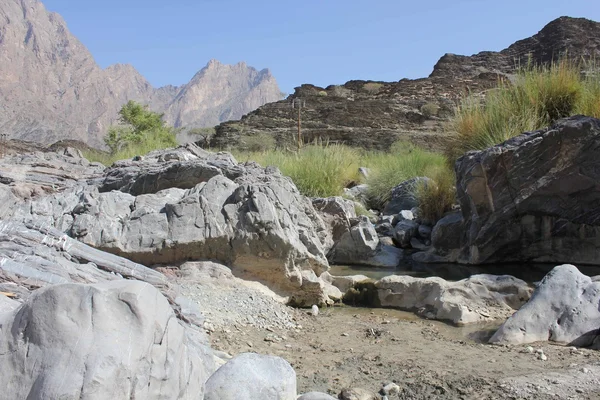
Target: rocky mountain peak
(51, 87)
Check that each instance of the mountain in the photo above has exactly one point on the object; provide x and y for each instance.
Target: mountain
(376, 114)
(51, 87)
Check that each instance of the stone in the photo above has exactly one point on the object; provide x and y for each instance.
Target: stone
(519, 204)
(403, 196)
(315, 310)
(563, 308)
(358, 193)
(357, 394)
(446, 240)
(316, 396)
(250, 376)
(424, 231)
(343, 283)
(404, 232)
(360, 246)
(476, 299)
(390, 389)
(86, 341)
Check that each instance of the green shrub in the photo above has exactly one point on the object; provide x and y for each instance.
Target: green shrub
(430, 109)
(372, 87)
(537, 97)
(257, 143)
(403, 162)
(436, 197)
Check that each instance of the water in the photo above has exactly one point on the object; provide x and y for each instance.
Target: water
(529, 272)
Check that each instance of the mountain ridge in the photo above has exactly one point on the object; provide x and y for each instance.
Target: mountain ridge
(374, 114)
(52, 88)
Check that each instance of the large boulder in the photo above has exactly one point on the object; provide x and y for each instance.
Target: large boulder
(186, 204)
(116, 340)
(360, 245)
(479, 298)
(251, 376)
(564, 308)
(446, 240)
(534, 197)
(403, 196)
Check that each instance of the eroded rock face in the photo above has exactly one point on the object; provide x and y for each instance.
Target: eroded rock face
(187, 204)
(476, 299)
(564, 308)
(118, 339)
(532, 198)
(251, 376)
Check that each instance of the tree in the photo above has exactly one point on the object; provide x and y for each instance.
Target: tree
(139, 125)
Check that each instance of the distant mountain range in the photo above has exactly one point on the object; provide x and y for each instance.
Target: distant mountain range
(52, 89)
(375, 114)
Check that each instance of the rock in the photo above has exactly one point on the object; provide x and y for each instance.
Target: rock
(404, 231)
(424, 231)
(476, 299)
(446, 239)
(563, 308)
(250, 376)
(7, 304)
(357, 394)
(403, 196)
(360, 246)
(390, 389)
(385, 229)
(359, 193)
(258, 224)
(418, 244)
(337, 213)
(316, 396)
(343, 283)
(119, 338)
(315, 310)
(519, 204)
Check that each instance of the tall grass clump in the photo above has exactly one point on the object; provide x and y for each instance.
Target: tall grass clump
(437, 196)
(537, 97)
(404, 161)
(318, 170)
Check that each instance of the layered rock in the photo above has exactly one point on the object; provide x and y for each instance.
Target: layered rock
(563, 308)
(51, 88)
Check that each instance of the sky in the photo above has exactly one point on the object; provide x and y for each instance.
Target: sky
(322, 42)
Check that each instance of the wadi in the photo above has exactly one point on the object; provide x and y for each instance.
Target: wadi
(436, 238)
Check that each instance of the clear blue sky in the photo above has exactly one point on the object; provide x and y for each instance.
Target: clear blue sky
(303, 41)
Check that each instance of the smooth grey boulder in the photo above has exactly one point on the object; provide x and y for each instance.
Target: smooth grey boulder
(360, 245)
(316, 396)
(564, 308)
(534, 197)
(115, 340)
(479, 298)
(403, 196)
(251, 376)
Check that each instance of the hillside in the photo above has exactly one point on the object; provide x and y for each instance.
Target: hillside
(51, 88)
(375, 114)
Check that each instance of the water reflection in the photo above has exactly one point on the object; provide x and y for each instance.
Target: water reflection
(529, 272)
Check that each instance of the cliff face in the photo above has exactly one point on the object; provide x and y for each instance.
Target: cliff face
(51, 87)
(375, 114)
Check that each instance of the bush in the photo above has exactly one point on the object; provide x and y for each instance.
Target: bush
(430, 109)
(403, 162)
(537, 97)
(257, 143)
(372, 87)
(437, 196)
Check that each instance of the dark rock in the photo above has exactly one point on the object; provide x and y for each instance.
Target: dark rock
(534, 197)
(403, 196)
(425, 231)
(404, 232)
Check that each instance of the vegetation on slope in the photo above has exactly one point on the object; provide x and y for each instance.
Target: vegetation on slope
(537, 97)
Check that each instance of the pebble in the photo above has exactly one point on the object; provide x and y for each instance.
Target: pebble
(543, 357)
(391, 389)
(529, 349)
(315, 310)
(585, 370)
(345, 334)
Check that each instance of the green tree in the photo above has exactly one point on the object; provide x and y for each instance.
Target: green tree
(139, 125)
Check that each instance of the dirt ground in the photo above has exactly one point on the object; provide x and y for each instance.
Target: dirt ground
(356, 347)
